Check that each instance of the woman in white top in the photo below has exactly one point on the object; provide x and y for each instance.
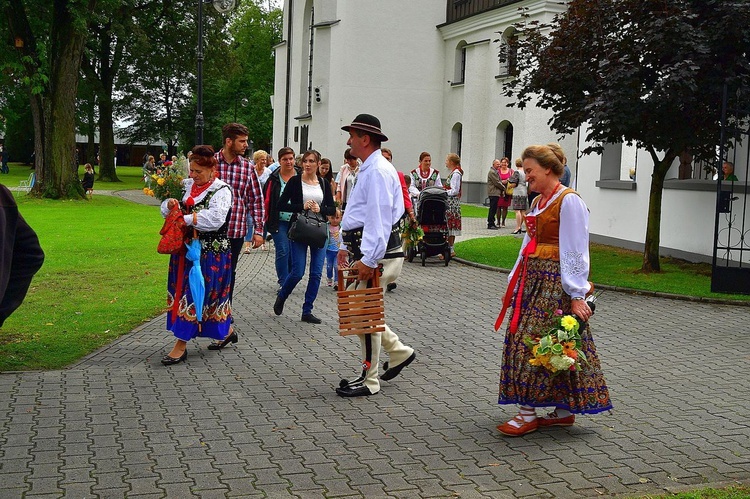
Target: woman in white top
(305, 192)
(205, 205)
(260, 165)
(551, 274)
(453, 186)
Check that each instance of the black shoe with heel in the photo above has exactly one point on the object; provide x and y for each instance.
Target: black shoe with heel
(168, 361)
(218, 345)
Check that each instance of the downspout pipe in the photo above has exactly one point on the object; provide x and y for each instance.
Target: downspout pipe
(288, 71)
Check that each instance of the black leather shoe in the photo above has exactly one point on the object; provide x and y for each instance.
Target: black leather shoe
(395, 371)
(311, 319)
(391, 286)
(278, 306)
(218, 345)
(354, 391)
(168, 361)
(492, 227)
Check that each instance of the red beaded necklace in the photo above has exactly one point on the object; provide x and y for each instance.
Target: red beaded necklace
(195, 191)
(543, 202)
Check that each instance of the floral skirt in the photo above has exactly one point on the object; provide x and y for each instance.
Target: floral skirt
(583, 391)
(217, 309)
(454, 216)
(520, 202)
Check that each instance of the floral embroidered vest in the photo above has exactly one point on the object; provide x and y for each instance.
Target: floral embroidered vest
(217, 240)
(420, 181)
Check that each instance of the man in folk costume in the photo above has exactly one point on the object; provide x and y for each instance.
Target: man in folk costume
(371, 233)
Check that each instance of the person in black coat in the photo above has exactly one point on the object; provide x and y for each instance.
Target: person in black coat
(88, 180)
(21, 256)
(305, 192)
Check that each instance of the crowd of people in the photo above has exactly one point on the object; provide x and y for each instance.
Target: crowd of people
(231, 205)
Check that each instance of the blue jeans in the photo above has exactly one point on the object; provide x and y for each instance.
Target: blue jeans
(283, 253)
(299, 260)
(332, 270)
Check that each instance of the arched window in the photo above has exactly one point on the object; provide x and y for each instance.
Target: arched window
(504, 140)
(456, 138)
(306, 63)
(460, 63)
(508, 53)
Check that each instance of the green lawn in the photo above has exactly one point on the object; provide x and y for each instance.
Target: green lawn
(130, 176)
(101, 278)
(609, 265)
(476, 211)
(732, 492)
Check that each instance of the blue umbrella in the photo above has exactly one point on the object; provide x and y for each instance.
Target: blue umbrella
(197, 284)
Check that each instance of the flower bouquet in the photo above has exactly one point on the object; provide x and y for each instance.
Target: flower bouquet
(559, 348)
(411, 234)
(166, 183)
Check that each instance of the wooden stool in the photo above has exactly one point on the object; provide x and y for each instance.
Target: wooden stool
(361, 311)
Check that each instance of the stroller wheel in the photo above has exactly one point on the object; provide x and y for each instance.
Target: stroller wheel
(410, 255)
(424, 258)
(447, 257)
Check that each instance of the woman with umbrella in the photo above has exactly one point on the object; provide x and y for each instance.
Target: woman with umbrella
(199, 278)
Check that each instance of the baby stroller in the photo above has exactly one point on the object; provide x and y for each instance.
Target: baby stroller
(432, 216)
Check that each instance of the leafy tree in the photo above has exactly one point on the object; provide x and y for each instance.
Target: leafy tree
(238, 74)
(649, 72)
(247, 87)
(158, 78)
(52, 35)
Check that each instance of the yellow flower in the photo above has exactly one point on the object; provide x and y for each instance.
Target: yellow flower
(145, 190)
(568, 322)
(161, 181)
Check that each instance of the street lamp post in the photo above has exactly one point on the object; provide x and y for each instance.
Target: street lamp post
(221, 6)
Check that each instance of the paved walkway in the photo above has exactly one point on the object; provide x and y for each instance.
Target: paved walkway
(261, 419)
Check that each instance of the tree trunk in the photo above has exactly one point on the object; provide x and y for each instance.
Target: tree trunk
(54, 106)
(66, 51)
(106, 140)
(91, 137)
(653, 227)
(106, 122)
(37, 116)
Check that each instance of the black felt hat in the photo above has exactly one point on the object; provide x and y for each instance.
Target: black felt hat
(367, 123)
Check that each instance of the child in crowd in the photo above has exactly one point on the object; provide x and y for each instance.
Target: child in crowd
(332, 250)
(88, 180)
(413, 193)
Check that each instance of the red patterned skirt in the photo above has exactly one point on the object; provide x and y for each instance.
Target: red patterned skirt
(583, 391)
(453, 214)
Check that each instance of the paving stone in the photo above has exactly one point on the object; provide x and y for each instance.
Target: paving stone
(13, 480)
(251, 421)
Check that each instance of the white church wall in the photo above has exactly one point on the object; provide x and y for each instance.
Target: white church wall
(362, 67)
(619, 214)
(479, 105)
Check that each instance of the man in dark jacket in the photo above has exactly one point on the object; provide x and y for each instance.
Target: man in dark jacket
(20, 255)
